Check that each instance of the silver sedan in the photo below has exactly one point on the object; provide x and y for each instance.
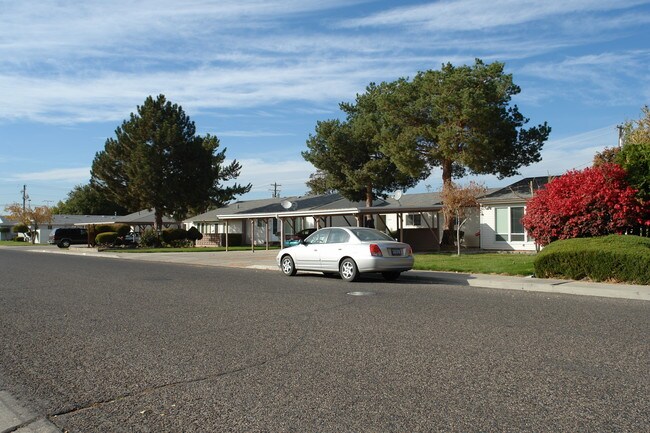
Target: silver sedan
(348, 251)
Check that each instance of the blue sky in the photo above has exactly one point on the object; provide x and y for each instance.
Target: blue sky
(260, 74)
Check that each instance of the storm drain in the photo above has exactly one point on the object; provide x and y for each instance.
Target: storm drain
(361, 293)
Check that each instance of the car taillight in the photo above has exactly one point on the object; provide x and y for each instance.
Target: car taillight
(375, 250)
(409, 251)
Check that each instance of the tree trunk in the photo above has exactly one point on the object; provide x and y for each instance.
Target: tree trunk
(448, 225)
(367, 219)
(158, 224)
(369, 195)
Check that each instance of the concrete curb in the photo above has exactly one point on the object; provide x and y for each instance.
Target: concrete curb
(621, 291)
(15, 418)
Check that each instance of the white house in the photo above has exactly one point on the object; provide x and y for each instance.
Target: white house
(501, 214)
(413, 218)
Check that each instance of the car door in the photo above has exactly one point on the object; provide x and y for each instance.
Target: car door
(332, 251)
(307, 254)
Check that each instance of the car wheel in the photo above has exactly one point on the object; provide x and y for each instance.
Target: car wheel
(64, 244)
(390, 276)
(348, 270)
(287, 266)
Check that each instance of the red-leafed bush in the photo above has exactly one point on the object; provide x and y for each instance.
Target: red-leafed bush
(592, 202)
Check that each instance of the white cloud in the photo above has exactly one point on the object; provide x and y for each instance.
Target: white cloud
(81, 174)
(111, 96)
(289, 174)
(66, 62)
(480, 15)
(596, 77)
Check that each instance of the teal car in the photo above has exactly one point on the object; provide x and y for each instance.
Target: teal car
(296, 238)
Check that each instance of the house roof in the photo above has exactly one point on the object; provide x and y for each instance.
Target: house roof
(5, 220)
(63, 220)
(520, 191)
(318, 205)
(144, 216)
(265, 207)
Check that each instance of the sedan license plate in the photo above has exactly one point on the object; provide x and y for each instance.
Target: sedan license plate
(395, 251)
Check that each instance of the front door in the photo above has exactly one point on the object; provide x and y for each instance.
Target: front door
(307, 254)
(332, 251)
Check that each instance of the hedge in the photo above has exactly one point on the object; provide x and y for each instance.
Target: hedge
(106, 238)
(619, 258)
(104, 228)
(173, 234)
(121, 229)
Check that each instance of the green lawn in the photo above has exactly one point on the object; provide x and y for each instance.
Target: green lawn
(479, 263)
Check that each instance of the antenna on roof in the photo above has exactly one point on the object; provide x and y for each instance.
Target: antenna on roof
(286, 204)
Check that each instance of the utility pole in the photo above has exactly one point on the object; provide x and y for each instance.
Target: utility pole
(275, 191)
(620, 135)
(25, 196)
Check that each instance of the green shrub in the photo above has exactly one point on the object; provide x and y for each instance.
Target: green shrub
(171, 236)
(106, 238)
(149, 238)
(104, 228)
(608, 258)
(121, 229)
(193, 234)
(20, 228)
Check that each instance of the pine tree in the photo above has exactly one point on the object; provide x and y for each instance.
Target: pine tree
(156, 161)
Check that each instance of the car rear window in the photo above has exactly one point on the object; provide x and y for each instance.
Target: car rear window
(370, 235)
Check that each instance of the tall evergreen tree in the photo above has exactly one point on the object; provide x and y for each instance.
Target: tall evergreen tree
(348, 153)
(459, 119)
(86, 200)
(156, 161)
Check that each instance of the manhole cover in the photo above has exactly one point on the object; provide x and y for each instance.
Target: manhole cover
(361, 293)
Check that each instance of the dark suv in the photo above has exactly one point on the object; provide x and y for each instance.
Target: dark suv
(63, 238)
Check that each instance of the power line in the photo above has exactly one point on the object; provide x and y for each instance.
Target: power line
(275, 191)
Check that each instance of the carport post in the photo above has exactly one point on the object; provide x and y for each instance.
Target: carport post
(226, 235)
(253, 220)
(400, 226)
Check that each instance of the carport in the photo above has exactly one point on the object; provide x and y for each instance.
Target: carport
(353, 217)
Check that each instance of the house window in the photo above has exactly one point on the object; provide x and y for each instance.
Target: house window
(517, 232)
(413, 219)
(508, 224)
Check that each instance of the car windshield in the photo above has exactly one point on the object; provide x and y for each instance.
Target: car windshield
(370, 235)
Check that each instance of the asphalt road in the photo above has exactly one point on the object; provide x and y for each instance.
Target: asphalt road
(101, 345)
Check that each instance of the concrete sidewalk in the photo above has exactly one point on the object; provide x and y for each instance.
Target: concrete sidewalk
(265, 260)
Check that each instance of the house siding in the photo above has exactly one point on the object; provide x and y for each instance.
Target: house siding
(489, 233)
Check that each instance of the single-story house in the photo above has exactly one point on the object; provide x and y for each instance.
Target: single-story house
(65, 221)
(6, 226)
(413, 218)
(137, 220)
(501, 214)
